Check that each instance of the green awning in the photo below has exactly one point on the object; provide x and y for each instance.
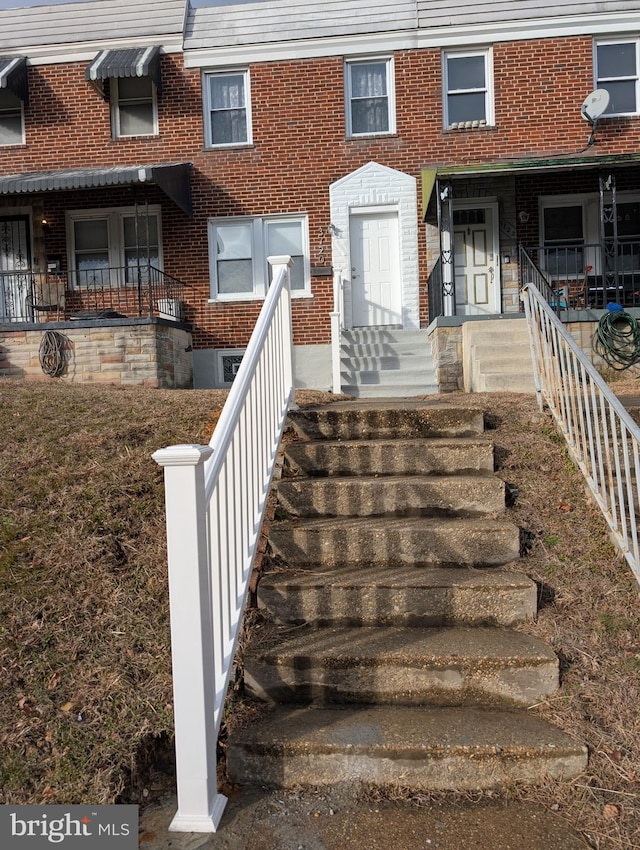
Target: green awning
(428, 182)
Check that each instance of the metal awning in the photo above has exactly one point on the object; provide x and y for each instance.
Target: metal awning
(173, 179)
(537, 165)
(13, 76)
(133, 62)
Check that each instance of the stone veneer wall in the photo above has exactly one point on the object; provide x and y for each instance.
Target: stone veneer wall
(446, 348)
(146, 352)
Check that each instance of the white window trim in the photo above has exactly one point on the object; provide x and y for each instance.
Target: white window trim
(598, 83)
(22, 130)
(115, 232)
(261, 268)
(220, 72)
(391, 94)
(489, 99)
(115, 111)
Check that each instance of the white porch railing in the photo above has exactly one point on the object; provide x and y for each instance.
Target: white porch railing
(336, 331)
(215, 501)
(602, 437)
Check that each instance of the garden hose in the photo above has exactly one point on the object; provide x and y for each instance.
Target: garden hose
(617, 338)
(53, 353)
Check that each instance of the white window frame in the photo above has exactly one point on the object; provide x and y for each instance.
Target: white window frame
(391, 97)
(488, 89)
(115, 233)
(601, 82)
(114, 97)
(19, 107)
(207, 107)
(259, 251)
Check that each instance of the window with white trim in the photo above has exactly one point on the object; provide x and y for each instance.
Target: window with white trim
(239, 248)
(134, 109)
(468, 98)
(617, 71)
(11, 123)
(226, 108)
(370, 97)
(113, 247)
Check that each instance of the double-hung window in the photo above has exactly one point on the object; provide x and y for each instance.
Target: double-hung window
(133, 107)
(467, 97)
(114, 247)
(226, 108)
(563, 227)
(11, 124)
(370, 97)
(617, 71)
(239, 248)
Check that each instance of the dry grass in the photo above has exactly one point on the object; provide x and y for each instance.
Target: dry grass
(85, 713)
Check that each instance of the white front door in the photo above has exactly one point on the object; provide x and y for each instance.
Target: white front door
(375, 269)
(15, 279)
(476, 261)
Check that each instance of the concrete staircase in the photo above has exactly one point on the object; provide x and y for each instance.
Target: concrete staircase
(497, 356)
(394, 657)
(386, 363)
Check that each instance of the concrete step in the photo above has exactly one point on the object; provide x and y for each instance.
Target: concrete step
(422, 748)
(392, 496)
(514, 382)
(439, 456)
(410, 376)
(400, 596)
(422, 541)
(378, 420)
(390, 390)
(365, 359)
(403, 666)
(386, 336)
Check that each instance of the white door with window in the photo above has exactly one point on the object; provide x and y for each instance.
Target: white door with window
(476, 261)
(376, 291)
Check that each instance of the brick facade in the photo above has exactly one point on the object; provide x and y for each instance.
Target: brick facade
(300, 149)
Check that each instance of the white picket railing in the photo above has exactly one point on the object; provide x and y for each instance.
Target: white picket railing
(602, 437)
(215, 501)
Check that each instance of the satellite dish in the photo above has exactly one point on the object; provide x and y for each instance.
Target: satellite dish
(594, 105)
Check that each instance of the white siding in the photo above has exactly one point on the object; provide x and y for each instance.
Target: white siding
(23, 31)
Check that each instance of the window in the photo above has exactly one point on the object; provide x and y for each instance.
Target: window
(370, 97)
(11, 130)
(238, 250)
(113, 247)
(617, 72)
(467, 91)
(563, 239)
(134, 110)
(227, 109)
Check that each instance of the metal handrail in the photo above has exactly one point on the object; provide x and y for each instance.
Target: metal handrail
(601, 436)
(141, 289)
(216, 496)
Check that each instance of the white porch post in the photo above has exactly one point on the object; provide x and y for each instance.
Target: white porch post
(336, 331)
(200, 806)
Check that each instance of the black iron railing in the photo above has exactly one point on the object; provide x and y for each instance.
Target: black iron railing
(127, 292)
(591, 276)
(435, 293)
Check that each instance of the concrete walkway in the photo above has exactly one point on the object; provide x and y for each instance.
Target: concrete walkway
(334, 819)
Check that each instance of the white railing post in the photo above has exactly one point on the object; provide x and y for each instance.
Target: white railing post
(200, 806)
(278, 265)
(336, 332)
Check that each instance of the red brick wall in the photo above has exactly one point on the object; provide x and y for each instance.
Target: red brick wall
(299, 148)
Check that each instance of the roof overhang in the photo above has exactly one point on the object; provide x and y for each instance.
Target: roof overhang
(521, 166)
(173, 179)
(13, 76)
(132, 62)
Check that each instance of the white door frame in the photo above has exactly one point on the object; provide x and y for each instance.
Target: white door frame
(490, 204)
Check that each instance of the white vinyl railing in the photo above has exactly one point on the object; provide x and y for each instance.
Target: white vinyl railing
(215, 501)
(336, 331)
(602, 437)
